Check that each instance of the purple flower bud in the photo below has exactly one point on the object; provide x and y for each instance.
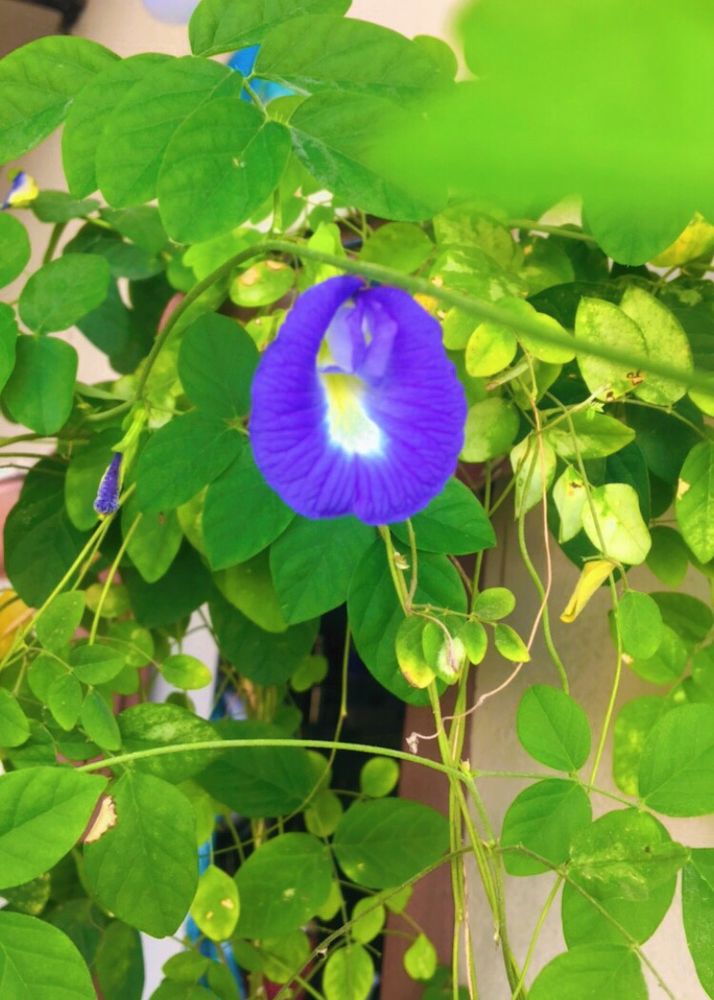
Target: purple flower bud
(107, 501)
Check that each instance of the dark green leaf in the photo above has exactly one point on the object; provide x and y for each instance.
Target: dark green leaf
(91, 111)
(183, 588)
(259, 781)
(40, 391)
(154, 542)
(334, 136)
(669, 557)
(553, 728)
(40, 542)
(227, 151)
(223, 25)
(155, 828)
(140, 127)
(119, 964)
(63, 291)
(698, 914)
(695, 501)
(14, 725)
(640, 621)
(216, 365)
(312, 564)
(264, 657)
(39, 961)
(59, 206)
(242, 514)
(385, 842)
(543, 818)
(375, 614)
(149, 725)
(688, 616)
(282, 885)
(591, 970)
(667, 664)
(44, 811)
(454, 522)
(677, 766)
(636, 234)
(14, 248)
(39, 82)
(323, 52)
(181, 458)
(8, 339)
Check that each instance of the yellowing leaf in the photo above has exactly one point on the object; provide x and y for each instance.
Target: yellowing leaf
(697, 240)
(13, 614)
(592, 576)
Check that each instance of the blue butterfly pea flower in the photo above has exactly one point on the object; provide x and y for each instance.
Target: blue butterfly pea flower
(107, 499)
(243, 62)
(356, 409)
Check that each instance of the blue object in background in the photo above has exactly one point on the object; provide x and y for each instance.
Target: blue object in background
(243, 62)
(171, 11)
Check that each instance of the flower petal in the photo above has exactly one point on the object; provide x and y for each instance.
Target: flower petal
(378, 440)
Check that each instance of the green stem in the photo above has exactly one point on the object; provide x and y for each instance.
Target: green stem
(615, 687)
(55, 237)
(544, 227)
(110, 578)
(518, 990)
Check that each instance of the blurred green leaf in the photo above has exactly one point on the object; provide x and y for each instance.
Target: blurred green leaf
(223, 25)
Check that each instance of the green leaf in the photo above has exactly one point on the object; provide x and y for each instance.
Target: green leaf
(386, 842)
(490, 348)
(606, 325)
(698, 914)
(215, 907)
(63, 291)
(240, 496)
(37, 960)
(664, 339)
(491, 427)
(543, 818)
(312, 564)
(259, 781)
(249, 588)
(64, 699)
(59, 621)
(223, 25)
(89, 114)
(216, 364)
(635, 234)
(282, 885)
(533, 462)
(8, 340)
(368, 919)
(95, 664)
(349, 974)
(494, 603)
(420, 959)
(262, 284)
(265, 657)
(227, 151)
(625, 854)
(689, 617)
(181, 458)
(677, 767)
(454, 522)
(589, 434)
(185, 672)
(695, 501)
(149, 725)
(632, 726)
(553, 728)
(669, 557)
(139, 129)
(400, 245)
(40, 542)
(509, 644)
(14, 248)
(44, 811)
(98, 721)
(591, 970)
(180, 591)
(378, 777)
(614, 524)
(40, 391)
(667, 663)
(375, 615)
(119, 964)
(39, 82)
(154, 543)
(570, 497)
(60, 206)
(323, 52)
(585, 923)
(14, 725)
(334, 136)
(412, 657)
(155, 827)
(640, 622)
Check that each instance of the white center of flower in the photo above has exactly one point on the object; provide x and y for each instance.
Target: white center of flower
(348, 424)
